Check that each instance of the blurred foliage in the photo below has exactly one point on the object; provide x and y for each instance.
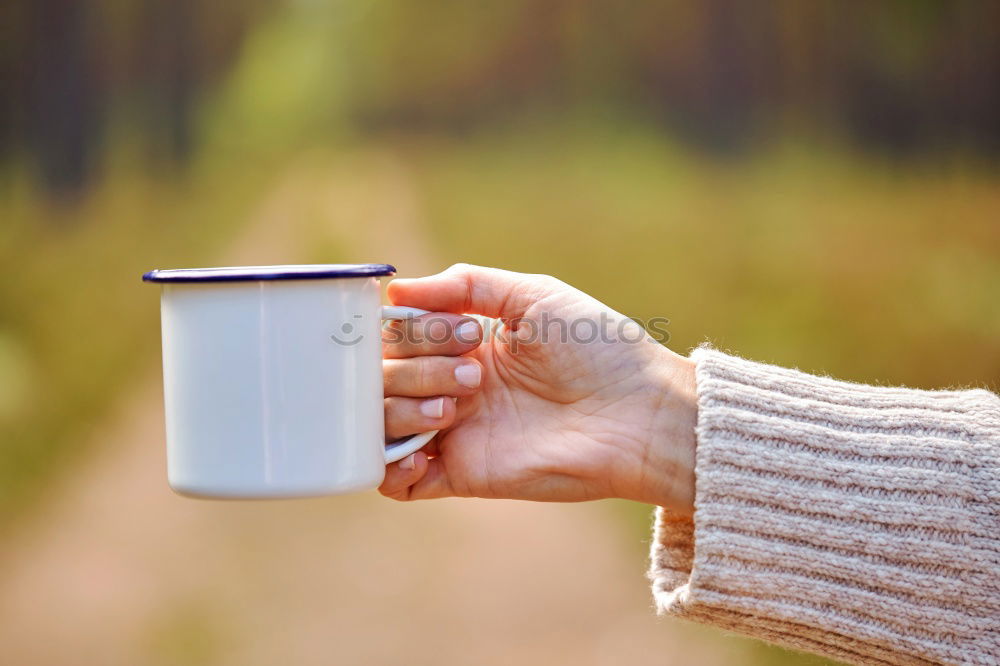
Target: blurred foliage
(802, 183)
(74, 319)
(899, 77)
(801, 255)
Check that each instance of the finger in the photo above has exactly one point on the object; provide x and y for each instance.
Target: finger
(431, 448)
(425, 376)
(433, 483)
(435, 334)
(470, 289)
(427, 480)
(406, 416)
(400, 476)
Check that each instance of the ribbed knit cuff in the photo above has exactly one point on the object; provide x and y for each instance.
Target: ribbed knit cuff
(857, 522)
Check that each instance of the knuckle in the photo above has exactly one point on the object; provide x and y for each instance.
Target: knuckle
(548, 282)
(422, 373)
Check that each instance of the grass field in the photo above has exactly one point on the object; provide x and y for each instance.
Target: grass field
(801, 256)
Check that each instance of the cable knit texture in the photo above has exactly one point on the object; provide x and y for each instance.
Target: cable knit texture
(858, 522)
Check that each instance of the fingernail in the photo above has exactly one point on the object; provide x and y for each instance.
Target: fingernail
(409, 462)
(432, 408)
(469, 375)
(467, 332)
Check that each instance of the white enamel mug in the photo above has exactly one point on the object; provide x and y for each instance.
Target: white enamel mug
(272, 380)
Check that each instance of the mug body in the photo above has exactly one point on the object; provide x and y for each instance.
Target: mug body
(273, 388)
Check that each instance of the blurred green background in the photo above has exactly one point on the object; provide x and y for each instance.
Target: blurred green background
(811, 184)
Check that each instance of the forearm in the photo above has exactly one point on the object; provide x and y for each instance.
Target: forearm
(854, 521)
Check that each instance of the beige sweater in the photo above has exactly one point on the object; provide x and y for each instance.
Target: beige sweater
(857, 522)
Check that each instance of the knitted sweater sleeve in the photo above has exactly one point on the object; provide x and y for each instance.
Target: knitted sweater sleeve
(857, 522)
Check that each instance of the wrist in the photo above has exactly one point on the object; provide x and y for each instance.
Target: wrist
(666, 458)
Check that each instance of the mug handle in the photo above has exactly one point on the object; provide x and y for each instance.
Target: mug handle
(405, 447)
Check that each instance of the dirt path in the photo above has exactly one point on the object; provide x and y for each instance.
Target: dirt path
(117, 570)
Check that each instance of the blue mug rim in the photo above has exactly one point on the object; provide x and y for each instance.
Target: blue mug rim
(277, 272)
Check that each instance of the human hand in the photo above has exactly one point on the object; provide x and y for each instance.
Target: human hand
(546, 418)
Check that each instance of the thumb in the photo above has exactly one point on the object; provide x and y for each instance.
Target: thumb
(467, 289)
